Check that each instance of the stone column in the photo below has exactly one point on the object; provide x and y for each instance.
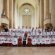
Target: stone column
(8, 9)
(1, 9)
(14, 13)
(41, 13)
(11, 13)
(47, 19)
(52, 5)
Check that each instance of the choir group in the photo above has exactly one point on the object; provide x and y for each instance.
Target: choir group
(27, 36)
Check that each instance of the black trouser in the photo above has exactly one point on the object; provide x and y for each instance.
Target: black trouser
(24, 43)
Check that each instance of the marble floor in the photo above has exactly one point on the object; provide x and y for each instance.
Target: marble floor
(27, 50)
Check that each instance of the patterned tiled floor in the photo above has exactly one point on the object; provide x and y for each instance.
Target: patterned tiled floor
(27, 50)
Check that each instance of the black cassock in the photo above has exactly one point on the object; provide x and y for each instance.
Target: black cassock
(24, 39)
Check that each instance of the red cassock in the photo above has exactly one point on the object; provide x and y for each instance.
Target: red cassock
(29, 41)
(19, 41)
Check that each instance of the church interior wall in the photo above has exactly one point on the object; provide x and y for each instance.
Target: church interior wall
(19, 3)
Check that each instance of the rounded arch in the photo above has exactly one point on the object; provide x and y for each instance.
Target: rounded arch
(29, 16)
(26, 4)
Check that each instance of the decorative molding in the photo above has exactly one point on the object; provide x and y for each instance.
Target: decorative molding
(3, 15)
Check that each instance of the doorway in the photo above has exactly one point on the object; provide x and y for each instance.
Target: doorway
(26, 20)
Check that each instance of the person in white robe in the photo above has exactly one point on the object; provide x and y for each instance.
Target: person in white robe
(33, 32)
(34, 41)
